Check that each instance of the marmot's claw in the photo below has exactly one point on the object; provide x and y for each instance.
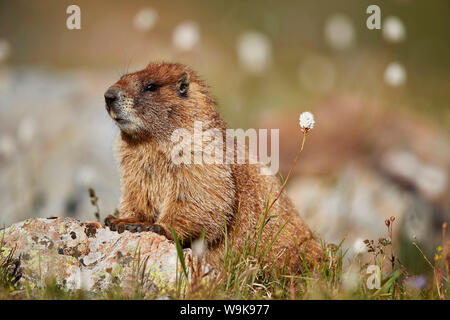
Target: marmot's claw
(142, 227)
(120, 228)
(154, 228)
(132, 225)
(109, 219)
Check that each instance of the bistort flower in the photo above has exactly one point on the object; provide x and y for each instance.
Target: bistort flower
(307, 121)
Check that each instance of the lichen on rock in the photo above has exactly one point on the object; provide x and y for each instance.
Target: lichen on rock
(80, 255)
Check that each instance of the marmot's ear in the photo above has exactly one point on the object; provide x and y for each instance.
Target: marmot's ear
(183, 85)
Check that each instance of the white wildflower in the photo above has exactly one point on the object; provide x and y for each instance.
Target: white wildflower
(85, 176)
(339, 31)
(359, 246)
(395, 74)
(254, 51)
(198, 248)
(393, 29)
(186, 35)
(145, 19)
(306, 121)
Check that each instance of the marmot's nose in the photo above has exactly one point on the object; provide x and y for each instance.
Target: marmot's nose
(112, 95)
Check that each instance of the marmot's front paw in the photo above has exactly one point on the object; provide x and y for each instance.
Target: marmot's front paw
(130, 224)
(142, 227)
(110, 220)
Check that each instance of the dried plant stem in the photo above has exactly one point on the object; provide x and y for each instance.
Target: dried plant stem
(392, 246)
(425, 257)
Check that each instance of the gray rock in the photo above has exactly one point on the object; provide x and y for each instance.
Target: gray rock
(80, 256)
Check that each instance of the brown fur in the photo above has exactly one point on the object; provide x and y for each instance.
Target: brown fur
(191, 198)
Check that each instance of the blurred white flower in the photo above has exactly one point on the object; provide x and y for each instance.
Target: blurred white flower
(306, 121)
(339, 31)
(186, 35)
(145, 19)
(5, 49)
(254, 51)
(395, 74)
(85, 176)
(26, 131)
(351, 280)
(393, 29)
(7, 146)
(198, 248)
(317, 73)
(359, 246)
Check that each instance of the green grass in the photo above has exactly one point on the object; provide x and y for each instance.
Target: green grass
(337, 277)
(242, 276)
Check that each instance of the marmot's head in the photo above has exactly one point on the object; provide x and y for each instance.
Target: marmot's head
(151, 103)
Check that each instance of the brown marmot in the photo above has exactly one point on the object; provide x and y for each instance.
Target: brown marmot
(218, 201)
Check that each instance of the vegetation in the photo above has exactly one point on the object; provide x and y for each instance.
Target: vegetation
(242, 277)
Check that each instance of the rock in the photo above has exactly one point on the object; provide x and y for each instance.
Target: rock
(406, 168)
(354, 205)
(79, 255)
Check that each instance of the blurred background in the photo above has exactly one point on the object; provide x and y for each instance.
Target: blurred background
(380, 147)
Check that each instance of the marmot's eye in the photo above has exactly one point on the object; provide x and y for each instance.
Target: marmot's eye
(183, 85)
(150, 87)
(183, 89)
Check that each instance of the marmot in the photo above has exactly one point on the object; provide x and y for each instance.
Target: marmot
(214, 201)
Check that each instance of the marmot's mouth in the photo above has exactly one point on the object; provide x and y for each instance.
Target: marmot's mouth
(120, 120)
(114, 116)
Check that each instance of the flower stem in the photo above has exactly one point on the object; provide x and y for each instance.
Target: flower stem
(290, 170)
